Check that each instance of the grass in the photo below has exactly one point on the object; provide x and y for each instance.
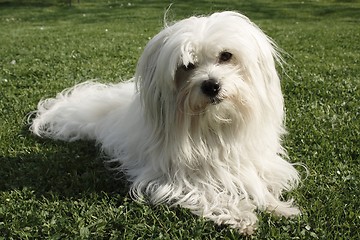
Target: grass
(58, 190)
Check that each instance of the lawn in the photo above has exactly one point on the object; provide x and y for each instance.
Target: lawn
(58, 190)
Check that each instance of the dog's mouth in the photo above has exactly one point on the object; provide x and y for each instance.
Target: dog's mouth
(216, 100)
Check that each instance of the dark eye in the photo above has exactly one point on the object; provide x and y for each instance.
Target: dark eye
(225, 56)
(189, 67)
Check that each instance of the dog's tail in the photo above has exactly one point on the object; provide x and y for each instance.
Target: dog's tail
(76, 112)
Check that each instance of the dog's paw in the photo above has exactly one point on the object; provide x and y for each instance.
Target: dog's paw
(246, 224)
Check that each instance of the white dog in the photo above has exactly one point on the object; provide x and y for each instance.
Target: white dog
(199, 125)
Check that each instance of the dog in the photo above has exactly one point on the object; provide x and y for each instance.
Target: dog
(200, 124)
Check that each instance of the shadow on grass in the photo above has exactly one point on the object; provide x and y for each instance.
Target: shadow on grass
(67, 170)
(25, 3)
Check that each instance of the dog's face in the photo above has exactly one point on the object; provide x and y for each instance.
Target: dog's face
(221, 63)
(207, 80)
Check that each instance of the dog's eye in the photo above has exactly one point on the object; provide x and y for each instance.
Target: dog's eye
(189, 67)
(225, 56)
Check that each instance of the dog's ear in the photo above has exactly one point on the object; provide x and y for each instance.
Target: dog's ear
(148, 62)
(149, 77)
(259, 57)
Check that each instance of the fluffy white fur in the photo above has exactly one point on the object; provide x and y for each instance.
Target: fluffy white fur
(217, 154)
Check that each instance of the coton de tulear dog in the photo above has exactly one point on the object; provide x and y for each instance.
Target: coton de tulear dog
(199, 125)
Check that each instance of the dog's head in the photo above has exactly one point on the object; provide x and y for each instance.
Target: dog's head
(221, 65)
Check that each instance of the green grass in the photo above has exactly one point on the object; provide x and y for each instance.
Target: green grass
(58, 190)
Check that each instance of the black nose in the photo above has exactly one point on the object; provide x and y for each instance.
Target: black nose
(210, 87)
